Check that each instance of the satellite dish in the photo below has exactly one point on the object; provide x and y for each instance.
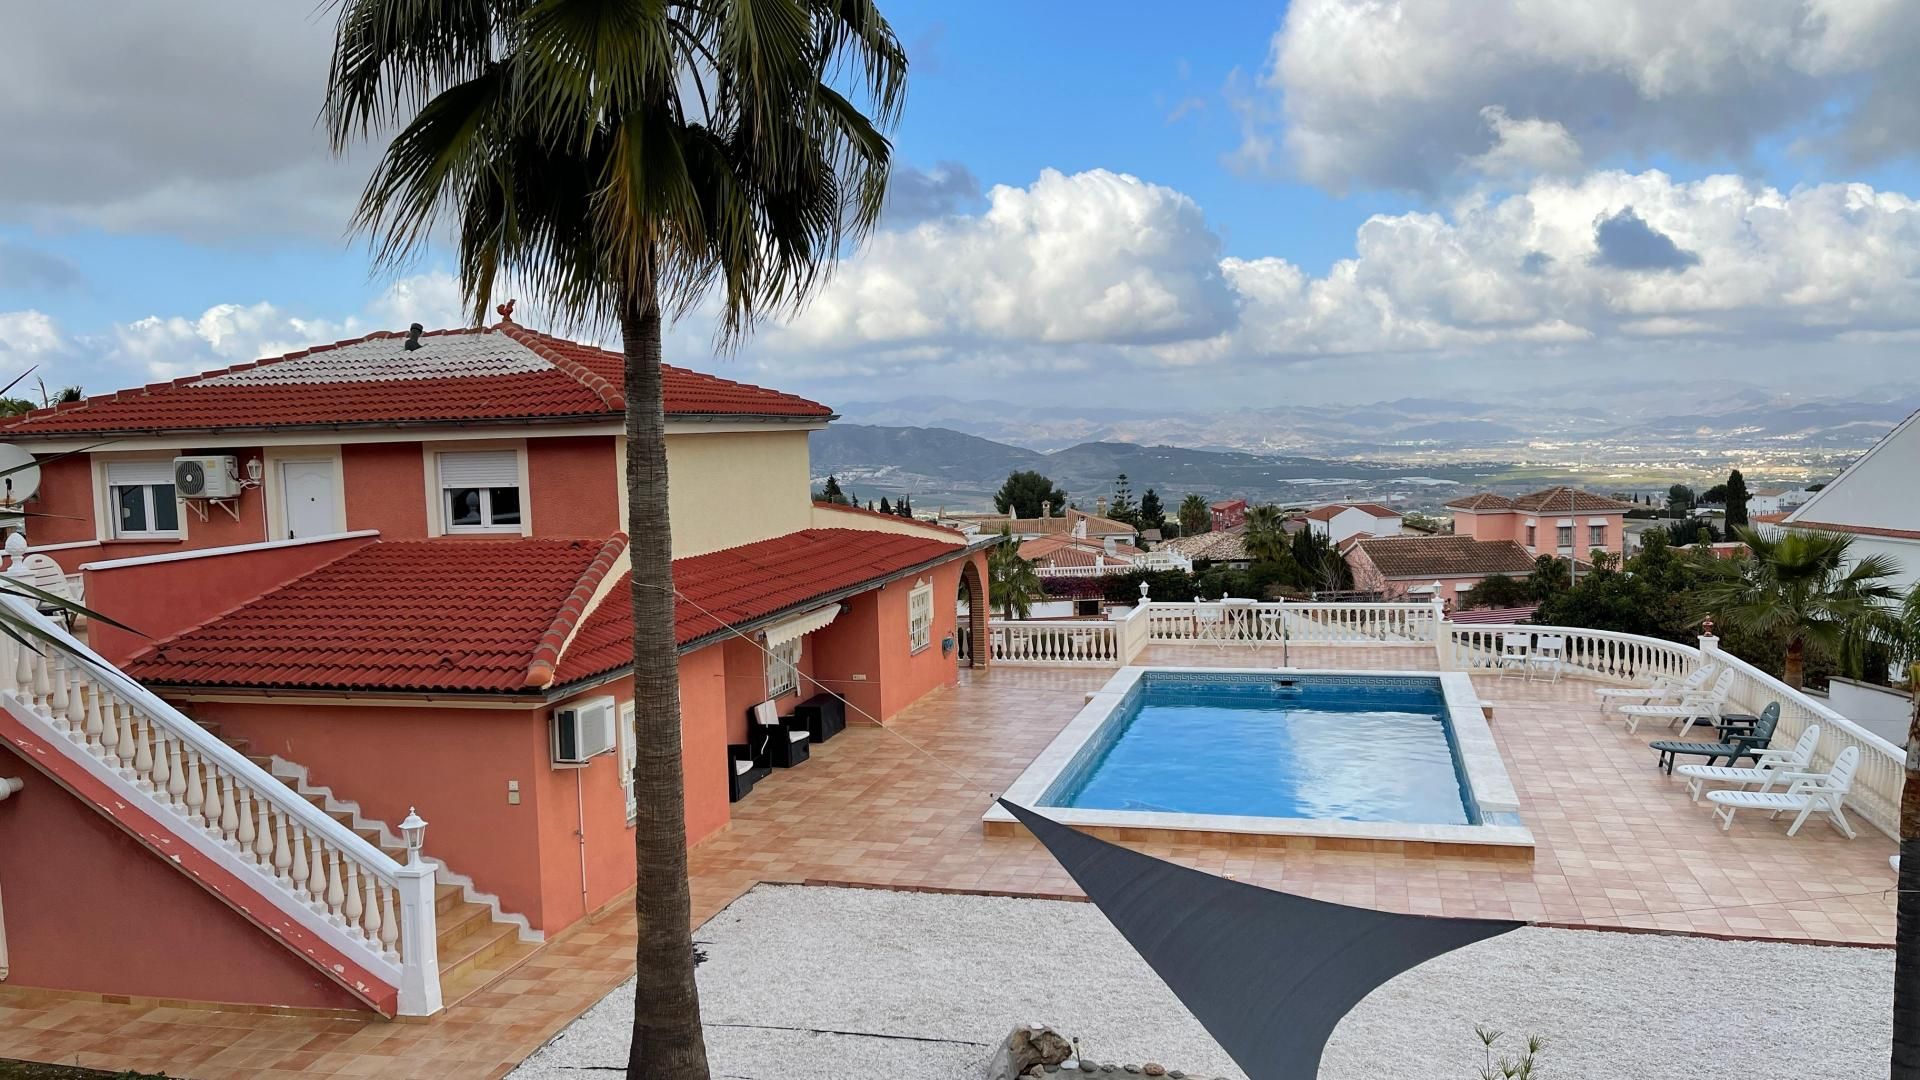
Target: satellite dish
(19, 476)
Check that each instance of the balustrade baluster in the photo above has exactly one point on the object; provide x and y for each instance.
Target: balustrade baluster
(195, 794)
(245, 832)
(229, 808)
(166, 772)
(211, 804)
(25, 674)
(282, 851)
(316, 873)
(336, 890)
(263, 831)
(370, 920)
(389, 925)
(57, 698)
(351, 907)
(106, 735)
(297, 872)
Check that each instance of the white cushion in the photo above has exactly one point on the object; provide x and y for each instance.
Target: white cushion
(799, 736)
(741, 767)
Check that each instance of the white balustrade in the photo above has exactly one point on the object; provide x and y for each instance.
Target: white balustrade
(1596, 654)
(370, 905)
(1090, 642)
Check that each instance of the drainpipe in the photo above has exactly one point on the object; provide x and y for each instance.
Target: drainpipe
(580, 816)
(9, 785)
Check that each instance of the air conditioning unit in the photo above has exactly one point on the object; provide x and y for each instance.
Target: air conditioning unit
(582, 731)
(215, 476)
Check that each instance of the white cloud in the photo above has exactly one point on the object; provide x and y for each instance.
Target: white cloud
(1099, 268)
(1096, 257)
(1397, 94)
(1524, 148)
(27, 336)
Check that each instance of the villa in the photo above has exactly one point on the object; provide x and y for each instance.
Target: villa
(388, 575)
(1561, 521)
(1340, 522)
(1872, 502)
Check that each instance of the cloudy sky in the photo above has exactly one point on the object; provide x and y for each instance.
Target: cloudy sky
(1328, 200)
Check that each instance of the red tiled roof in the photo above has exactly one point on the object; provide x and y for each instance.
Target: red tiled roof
(1497, 616)
(849, 509)
(1485, 500)
(741, 585)
(403, 616)
(1444, 556)
(1074, 551)
(1332, 510)
(504, 372)
(1556, 498)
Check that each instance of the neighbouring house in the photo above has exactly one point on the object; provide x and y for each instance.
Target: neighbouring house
(393, 575)
(1403, 566)
(1559, 521)
(1228, 514)
(1873, 501)
(1226, 547)
(1340, 522)
(1776, 500)
(1074, 523)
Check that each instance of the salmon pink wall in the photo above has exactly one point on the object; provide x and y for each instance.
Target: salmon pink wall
(67, 497)
(703, 741)
(160, 599)
(386, 488)
(585, 846)
(572, 481)
(907, 676)
(850, 646)
(89, 908)
(452, 763)
(745, 677)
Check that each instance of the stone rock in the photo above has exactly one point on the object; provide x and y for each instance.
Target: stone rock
(1027, 1051)
(1154, 1068)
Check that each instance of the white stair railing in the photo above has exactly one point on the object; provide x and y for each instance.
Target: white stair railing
(336, 884)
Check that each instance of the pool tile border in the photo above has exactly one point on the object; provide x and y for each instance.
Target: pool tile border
(1502, 834)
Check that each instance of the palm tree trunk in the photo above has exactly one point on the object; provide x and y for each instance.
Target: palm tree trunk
(667, 1042)
(1906, 934)
(1794, 670)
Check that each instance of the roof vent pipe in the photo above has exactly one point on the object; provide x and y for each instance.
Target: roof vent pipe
(413, 336)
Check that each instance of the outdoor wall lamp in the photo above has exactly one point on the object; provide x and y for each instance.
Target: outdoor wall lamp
(946, 645)
(414, 829)
(255, 470)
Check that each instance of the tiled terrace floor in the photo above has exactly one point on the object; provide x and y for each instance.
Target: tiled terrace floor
(1619, 846)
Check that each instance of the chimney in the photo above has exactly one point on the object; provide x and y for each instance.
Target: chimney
(1046, 509)
(1100, 506)
(1108, 544)
(1080, 528)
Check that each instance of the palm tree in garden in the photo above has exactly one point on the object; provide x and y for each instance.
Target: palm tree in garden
(627, 160)
(1013, 586)
(1804, 588)
(1266, 536)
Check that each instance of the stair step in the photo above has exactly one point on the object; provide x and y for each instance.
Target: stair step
(473, 978)
(451, 924)
(475, 943)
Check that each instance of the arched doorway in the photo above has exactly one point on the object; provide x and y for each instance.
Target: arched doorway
(971, 625)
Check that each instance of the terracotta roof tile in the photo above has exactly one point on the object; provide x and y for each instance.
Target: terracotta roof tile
(1227, 545)
(1485, 500)
(403, 616)
(1444, 556)
(505, 372)
(1555, 498)
(1332, 510)
(738, 586)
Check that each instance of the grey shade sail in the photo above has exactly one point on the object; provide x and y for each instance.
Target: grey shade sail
(1267, 973)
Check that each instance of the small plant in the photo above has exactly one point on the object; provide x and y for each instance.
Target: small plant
(1504, 1067)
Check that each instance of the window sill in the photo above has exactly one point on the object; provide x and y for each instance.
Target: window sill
(157, 538)
(918, 649)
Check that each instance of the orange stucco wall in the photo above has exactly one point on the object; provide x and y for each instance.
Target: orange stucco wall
(454, 765)
(906, 676)
(1512, 525)
(846, 658)
(744, 670)
(67, 499)
(89, 908)
(573, 485)
(158, 600)
(386, 488)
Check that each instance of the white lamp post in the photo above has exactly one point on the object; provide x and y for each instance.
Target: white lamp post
(414, 829)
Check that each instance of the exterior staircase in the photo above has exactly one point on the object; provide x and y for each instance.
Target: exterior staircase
(478, 943)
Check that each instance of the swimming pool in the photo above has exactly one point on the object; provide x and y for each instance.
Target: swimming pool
(1348, 747)
(1367, 760)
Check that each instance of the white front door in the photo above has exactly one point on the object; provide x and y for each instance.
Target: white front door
(307, 487)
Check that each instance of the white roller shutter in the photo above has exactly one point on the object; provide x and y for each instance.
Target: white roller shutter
(131, 473)
(480, 469)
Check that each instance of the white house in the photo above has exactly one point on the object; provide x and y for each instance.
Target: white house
(1339, 522)
(1874, 501)
(1775, 500)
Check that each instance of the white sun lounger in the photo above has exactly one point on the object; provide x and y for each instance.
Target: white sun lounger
(1773, 764)
(1665, 689)
(1692, 707)
(1808, 794)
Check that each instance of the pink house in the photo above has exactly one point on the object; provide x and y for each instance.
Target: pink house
(1559, 521)
(1411, 566)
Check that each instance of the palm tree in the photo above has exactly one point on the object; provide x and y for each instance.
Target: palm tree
(627, 161)
(1195, 518)
(1266, 536)
(1012, 584)
(1804, 588)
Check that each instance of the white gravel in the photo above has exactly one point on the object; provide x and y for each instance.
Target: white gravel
(787, 962)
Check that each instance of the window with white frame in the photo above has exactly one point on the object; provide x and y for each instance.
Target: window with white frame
(480, 491)
(141, 500)
(627, 760)
(783, 668)
(920, 616)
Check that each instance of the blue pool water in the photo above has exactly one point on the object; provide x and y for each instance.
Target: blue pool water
(1352, 747)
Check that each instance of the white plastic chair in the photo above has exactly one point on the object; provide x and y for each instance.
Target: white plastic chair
(41, 572)
(1516, 650)
(1692, 707)
(1808, 793)
(1665, 689)
(1548, 656)
(1771, 766)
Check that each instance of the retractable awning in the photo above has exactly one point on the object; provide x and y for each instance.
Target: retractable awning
(801, 625)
